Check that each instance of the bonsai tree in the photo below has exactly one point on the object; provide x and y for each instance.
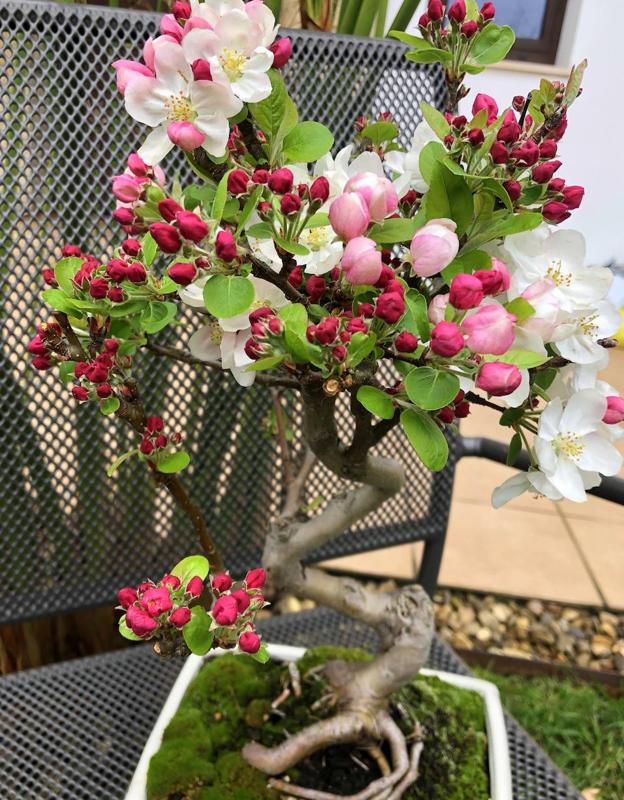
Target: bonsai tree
(414, 283)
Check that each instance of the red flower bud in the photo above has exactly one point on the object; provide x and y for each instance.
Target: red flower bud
(171, 582)
(154, 424)
(127, 596)
(97, 373)
(249, 642)
(225, 610)
(424, 21)
(357, 325)
(136, 273)
(281, 180)
(499, 153)
(225, 246)
(166, 236)
(140, 622)
(406, 342)
(466, 292)
(469, 28)
(195, 586)
(260, 176)
(327, 330)
(191, 226)
(366, 310)
(319, 190)
(115, 294)
(446, 415)
(156, 600)
(70, 250)
(180, 616)
(488, 11)
(48, 276)
(518, 102)
(446, 339)
(390, 307)
(548, 149)
(131, 246)
(282, 51)
(104, 390)
(527, 153)
(37, 346)
(295, 277)
(182, 273)
(457, 12)
(124, 216)
(555, 212)
(161, 441)
(146, 447)
(111, 345)
(98, 288)
(222, 582)
(237, 181)
(242, 600)
(168, 209)
(542, 173)
(80, 393)
(462, 409)
(201, 70)
(556, 185)
(435, 10)
(509, 133)
(290, 203)
(275, 326)
(514, 190)
(573, 196)
(116, 269)
(137, 166)
(315, 287)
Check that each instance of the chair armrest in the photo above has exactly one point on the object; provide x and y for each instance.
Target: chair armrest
(479, 447)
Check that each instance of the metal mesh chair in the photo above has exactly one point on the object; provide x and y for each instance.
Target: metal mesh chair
(70, 536)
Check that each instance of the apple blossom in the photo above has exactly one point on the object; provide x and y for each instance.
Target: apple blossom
(490, 330)
(446, 339)
(408, 163)
(433, 247)
(361, 261)
(349, 215)
(615, 410)
(378, 194)
(497, 378)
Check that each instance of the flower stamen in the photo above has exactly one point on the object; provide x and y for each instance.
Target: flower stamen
(232, 62)
(569, 445)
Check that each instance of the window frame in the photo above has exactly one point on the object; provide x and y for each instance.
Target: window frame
(544, 49)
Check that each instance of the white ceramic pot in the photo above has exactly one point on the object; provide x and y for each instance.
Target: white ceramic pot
(498, 751)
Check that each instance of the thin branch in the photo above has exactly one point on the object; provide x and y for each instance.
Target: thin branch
(280, 422)
(481, 401)
(75, 348)
(264, 271)
(252, 143)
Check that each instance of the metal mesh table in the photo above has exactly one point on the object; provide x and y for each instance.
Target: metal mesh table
(75, 731)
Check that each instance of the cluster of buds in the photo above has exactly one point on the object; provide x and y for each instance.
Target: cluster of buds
(154, 440)
(458, 409)
(44, 345)
(159, 610)
(98, 378)
(179, 227)
(136, 188)
(432, 22)
(235, 609)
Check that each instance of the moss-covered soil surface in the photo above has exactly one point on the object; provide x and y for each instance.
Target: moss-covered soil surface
(229, 703)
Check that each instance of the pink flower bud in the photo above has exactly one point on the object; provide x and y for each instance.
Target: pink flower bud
(255, 578)
(476, 137)
(498, 379)
(542, 173)
(361, 261)
(185, 135)
(437, 308)
(126, 596)
(124, 216)
(237, 181)
(156, 601)
(488, 11)
(281, 180)
(490, 330)
(484, 101)
(201, 70)
(225, 610)
(131, 247)
(527, 153)
(390, 307)
(222, 582)
(494, 280)
(140, 622)
(446, 339)
(555, 212)
(136, 273)
(435, 10)
(290, 203)
(191, 226)
(469, 28)
(104, 390)
(249, 642)
(225, 246)
(166, 237)
(180, 616)
(513, 189)
(406, 342)
(137, 166)
(127, 188)
(457, 12)
(573, 196)
(127, 70)
(377, 192)
(37, 346)
(548, 149)
(615, 410)
(349, 216)
(182, 273)
(433, 247)
(466, 291)
(499, 153)
(98, 288)
(282, 51)
(319, 190)
(195, 586)
(169, 26)
(171, 582)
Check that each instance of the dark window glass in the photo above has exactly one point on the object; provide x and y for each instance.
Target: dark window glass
(537, 24)
(526, 17)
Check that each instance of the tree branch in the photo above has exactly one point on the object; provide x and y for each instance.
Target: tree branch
(76, 350)
(264, 271)
(252, 143)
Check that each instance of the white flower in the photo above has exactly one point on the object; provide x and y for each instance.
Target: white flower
(558, 257)
(258, 12)
(408, 163)
(211, 343)
(173, 96)
(535, 481)
(235, 51)
(325, 249)
(338, 170)
(193, 294)
(577, 339)
(266, 294)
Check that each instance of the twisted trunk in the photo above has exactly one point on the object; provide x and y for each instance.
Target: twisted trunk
(403, 619)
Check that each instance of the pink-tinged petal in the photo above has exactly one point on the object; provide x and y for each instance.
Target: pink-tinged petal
(236, 30)
(262, 15)
(156, 146)
(169, 26)
(195, 23)
(127, 71)
(216, 129)
(200, 43)
(252, 86)
(212, 97)
(145, 100)
(185, 135)
(172, 68)
(148, 53)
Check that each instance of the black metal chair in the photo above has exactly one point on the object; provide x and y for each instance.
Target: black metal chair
(70, 536)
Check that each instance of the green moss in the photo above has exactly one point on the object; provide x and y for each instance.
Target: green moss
(228, 704)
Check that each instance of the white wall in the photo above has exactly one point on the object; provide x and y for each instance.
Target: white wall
(591, 150)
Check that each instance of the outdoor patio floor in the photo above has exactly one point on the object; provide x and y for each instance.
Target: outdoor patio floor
(532, 547)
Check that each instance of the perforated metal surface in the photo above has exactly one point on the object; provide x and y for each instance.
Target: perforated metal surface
(75, 731)
(72, 536)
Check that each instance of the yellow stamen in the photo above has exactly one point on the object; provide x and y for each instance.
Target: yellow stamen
(315, 238)
(569, 445)
(557, 275)
(179, 108)
(232, 62)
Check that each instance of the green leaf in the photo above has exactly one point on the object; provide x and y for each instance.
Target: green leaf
(149, 248)
(417, 307)
(376, 401)
(125, 631)
(191, 567)
(119, 461)
(248, 208)
(66, 371)
(269, 113)
(511, 416)
(58, 301)
(157, 315)
(228, 295)
(467, 262)
(128, 307)
(173, 462)
(199, 196)
(523, 359)
(360, 346)
(379, 132)
(472, 9)
(426, 438)
(65, 270)
(295, 317)
(515, 446)
(261, 230)
(265, 363)
(431, 389)
(317, 312)
(109, 405)
(430, 56)
(197, 633)
(307, 141)
(417, 42)
(496, 188)
(507, 226)
(520, 308)
(262, 654)
(218, 204)
(574, 82)
(436, 121)
(395, 230)
(318, 220)
(491, 45)
(544, 378)
(291, 247)
(449, 197)
(430, 155)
